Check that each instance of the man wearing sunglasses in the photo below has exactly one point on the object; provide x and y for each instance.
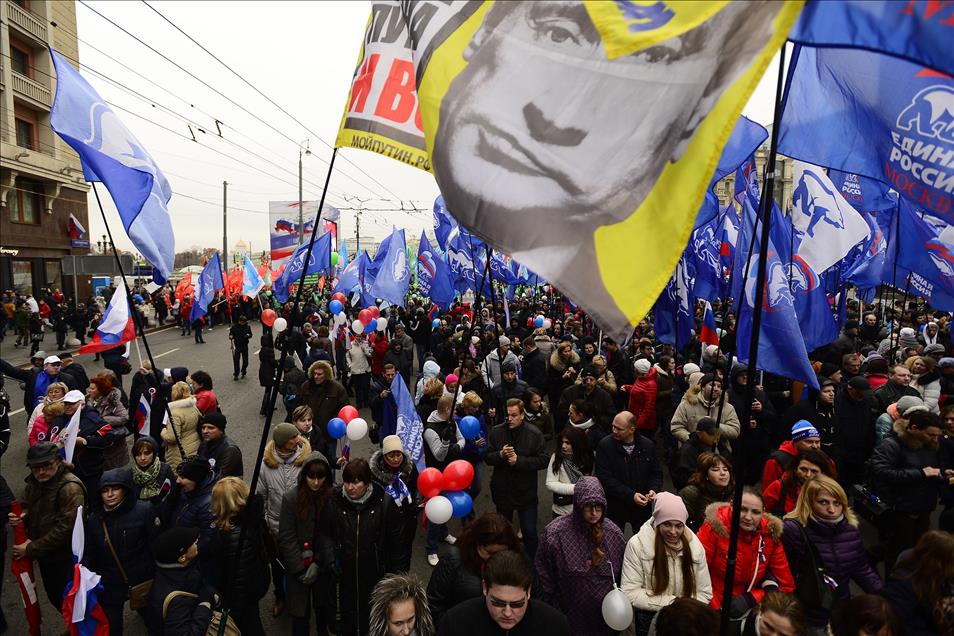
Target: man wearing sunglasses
(506, 606)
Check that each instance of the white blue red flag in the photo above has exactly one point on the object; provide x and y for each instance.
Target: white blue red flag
(77, 231)
(143, 412)
(708, 333)
(82, 612)
(117, 325)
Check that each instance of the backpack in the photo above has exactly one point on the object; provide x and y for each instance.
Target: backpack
(230, 629)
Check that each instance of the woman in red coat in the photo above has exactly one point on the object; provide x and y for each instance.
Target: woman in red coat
(642, 397)
(760, 565)
(378, 349)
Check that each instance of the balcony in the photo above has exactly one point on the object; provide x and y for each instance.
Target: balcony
(32, 91)
(28, 22)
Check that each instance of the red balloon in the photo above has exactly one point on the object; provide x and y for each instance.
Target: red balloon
(430, 482)
(375, 312)
(365, 317)
(458, 475)
(348, 413)
(268, 317)
(339, 297)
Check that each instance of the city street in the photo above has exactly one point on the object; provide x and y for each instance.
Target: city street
(240, 402)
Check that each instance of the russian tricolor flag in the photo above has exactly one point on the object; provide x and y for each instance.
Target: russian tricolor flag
(143, 411)
(708, 333)
(116, 327)
(77, 231)
(82, 612)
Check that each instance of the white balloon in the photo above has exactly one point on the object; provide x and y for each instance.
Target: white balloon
(617, 610)
(357, 327)
(357, 429)
(340, 318)
(439, 509)
(547, 323)
(280, 325)
(382, 324)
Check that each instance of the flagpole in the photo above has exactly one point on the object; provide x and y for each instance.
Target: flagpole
(135, 315)
(765, 208)
(273, 389)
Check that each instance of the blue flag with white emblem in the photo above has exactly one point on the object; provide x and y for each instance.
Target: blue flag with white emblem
(351, 276)
(674, 313)
(919, 31)
(433, 275)
(409, 426)
(209, 281)
(252, 283)
(319, 262)
(876, 116)
(393, 275)
(109, 153)
(925, 258)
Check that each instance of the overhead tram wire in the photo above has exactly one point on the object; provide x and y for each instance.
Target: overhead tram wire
(269, 99)
(223, 95)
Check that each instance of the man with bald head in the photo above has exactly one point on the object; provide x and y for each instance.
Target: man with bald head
(627, 466)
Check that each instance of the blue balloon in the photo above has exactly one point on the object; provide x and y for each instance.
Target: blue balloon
(461, 502)
(435, 323)
(335, 306)
(469, 427)
(538, 322)
(337, 427)
(371, 326)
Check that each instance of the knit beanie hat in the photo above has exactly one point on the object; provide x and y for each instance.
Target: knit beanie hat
(668, 507)
(194, 468)
(803, 429)
(908, 402)
(689, 368)
(173, 543)
(214, 418)
(283, 433)
(908, 337)
(642, 366)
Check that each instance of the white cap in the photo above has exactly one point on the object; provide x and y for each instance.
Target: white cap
(642, 366)
(51, 360)
(74, 396)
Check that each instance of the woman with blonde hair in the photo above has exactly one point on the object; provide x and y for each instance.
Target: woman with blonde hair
(822, 532)
(184, 425)
(399, 607)
(241, 578)
(926, 380)
(55, 393)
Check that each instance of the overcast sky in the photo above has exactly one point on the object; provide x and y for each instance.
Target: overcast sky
(302, 55)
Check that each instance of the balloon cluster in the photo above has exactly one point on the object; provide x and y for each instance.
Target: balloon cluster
(348, 423)
(541, 321)
(369, 320)
(446, 492)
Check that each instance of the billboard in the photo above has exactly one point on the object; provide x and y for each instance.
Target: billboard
(283, 227)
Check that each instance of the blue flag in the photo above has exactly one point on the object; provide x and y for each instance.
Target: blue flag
(409, 426)
(375, 263)
(433, 275)
(876, 116)
(705, 245)
(319, 262)
(919, 31)
(675, 307)
(351, 275)
(926, 257)
(501, 270)
(461, 263)
(746, 138)
(366, 280)
(444, 224)
(209, 281)
(864, 194)
(393, 275)
(109, 153)
(865, 267)
(746, 191)
(781, 347)
(342, 256)
(252, 283)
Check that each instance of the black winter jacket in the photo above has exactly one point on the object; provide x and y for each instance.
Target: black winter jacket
(854, 432)
(451, 583)
(896, 475)
(515, 487)
(624, 475)
(224, 456)
(242, 579)
(192, 510)
(534, 367)
(185, 616)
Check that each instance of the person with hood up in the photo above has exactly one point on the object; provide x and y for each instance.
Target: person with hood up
(507, 388)
(107, 399)
(267, 367)
(431, 370)
(183, 425)
(702, 399)
(713, 481)
(399, 608)
(533, 363)
(760, 564)
(663, 561)
(152, 477)
(189, 504)
(926, 380)
(282, 462)
(822, 522)
(579, 559)
(395, 472)
(307, 547)
(642, 397)
(326, 396)
(854, 433)
(116, 532)
(367, 533)
(755, 444)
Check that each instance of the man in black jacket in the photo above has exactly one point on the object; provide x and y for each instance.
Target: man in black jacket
(602, 402)
(179, 603)
(225, 457)
(74, 369)
(897, 386)
(627, 466)
(854, 430)
(240, 334)
(508, 388)
(505, 606)
(533, 365)
(517, 454)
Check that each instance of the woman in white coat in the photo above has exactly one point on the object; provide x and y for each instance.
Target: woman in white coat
(663, 561)
(926, 380)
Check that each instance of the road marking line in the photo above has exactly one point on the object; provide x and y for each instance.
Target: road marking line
(16, 412)
(165, 353)
(256, 353)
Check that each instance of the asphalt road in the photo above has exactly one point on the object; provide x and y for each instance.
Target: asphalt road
(240, 402)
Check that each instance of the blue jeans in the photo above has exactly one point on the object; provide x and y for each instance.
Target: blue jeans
(435, 534)
(528, 526)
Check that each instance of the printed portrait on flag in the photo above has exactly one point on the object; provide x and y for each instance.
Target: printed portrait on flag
(562, 132)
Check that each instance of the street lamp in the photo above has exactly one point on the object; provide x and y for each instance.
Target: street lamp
(302, 150)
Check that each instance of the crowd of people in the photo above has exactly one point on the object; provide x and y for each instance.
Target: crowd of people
(845, 516)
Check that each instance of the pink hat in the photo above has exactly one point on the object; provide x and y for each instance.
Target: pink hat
(451, 379)
(668, 507)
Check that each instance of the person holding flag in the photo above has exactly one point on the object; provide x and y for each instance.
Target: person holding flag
(210, 280)
(50, 502)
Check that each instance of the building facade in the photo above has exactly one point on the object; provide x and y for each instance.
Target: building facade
(41, 180)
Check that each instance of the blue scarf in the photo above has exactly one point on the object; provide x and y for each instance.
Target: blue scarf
(398, 491)
(43, 381)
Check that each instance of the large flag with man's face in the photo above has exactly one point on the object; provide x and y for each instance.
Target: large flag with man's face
(577, 137)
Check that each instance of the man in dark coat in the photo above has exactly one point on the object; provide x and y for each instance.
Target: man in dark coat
(74, 369)
(534, 365)
(508, 388)
(627, 466)
(224, 455)
(588, 391)
(897, 386)
(383, 405)
(517, 453)
(177, 571)
(240, 334)
(854, 432)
